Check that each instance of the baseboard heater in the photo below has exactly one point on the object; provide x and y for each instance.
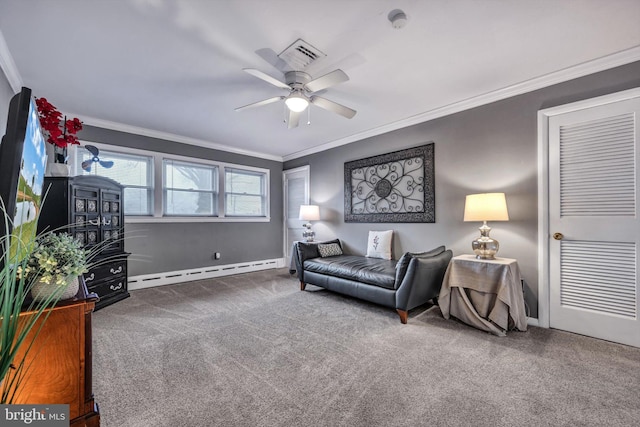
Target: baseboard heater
(173, 277)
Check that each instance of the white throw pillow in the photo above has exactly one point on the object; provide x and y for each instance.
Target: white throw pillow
(379, 244)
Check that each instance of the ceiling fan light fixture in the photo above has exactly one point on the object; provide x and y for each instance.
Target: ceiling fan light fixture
(296, 102)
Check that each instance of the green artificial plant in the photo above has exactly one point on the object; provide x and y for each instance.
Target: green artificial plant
(14, 299)
(55, 258)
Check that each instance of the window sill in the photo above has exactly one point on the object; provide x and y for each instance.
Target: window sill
(177, 219)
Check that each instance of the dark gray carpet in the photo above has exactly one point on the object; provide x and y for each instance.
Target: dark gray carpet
(253, 350)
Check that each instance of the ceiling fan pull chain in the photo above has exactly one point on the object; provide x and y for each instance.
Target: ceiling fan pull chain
(309, 115)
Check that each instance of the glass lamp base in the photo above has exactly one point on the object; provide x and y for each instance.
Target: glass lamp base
(484, 246)
(308, 234)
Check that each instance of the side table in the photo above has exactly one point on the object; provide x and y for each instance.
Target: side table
(486, 294)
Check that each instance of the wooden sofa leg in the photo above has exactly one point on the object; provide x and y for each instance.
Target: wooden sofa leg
(302, 285)
(403, 315)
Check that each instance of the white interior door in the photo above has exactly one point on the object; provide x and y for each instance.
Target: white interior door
(296, 193)
(593, 221)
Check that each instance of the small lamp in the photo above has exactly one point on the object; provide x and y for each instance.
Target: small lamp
(309, 213)
(485, 207)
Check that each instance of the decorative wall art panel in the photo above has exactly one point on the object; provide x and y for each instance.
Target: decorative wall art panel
(393, 187)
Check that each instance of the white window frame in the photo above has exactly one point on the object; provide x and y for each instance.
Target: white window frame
(158, 187)
(263, 194)
(76, 169)
(214, 191)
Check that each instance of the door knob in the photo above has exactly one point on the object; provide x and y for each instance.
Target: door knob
(558, 236)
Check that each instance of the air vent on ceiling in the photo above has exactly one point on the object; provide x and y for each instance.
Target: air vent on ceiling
(300, 54)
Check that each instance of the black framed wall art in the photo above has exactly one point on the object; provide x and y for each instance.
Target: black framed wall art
(392, 187)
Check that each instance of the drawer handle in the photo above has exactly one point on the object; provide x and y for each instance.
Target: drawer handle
(116, 288)
(105, 221)
(95, 222)
(119, 270)
(90, 278)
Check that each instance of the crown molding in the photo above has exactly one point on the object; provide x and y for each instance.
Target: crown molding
(105, 124)
(627, 56)
(8, 66)
(604, 63)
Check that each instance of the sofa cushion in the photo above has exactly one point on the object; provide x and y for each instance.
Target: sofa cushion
(331, 249)
(401, 267)
(379, 244)
(308, 250)
(373, 271)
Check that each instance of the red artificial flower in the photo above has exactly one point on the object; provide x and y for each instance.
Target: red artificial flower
(74, 125)
(62, 132)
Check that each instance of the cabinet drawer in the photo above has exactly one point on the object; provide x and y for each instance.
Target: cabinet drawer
(110, 287)
(106, 272)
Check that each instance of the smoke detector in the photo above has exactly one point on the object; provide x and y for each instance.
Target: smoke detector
(397, 18)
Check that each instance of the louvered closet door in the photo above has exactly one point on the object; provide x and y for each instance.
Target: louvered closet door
(593, 203)
(296, 193)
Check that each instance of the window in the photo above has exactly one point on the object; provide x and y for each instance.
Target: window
(134, 172)
(189, 189)
(161, 187)
(244, 192)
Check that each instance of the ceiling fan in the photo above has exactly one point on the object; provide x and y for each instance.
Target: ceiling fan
(301, 89)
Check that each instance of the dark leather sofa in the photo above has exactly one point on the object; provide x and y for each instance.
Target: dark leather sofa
(404, 284)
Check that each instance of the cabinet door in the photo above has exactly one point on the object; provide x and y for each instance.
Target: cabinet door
(111, 219)
(85, 215)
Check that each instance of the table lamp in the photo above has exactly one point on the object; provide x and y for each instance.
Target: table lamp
(485, 207)
(309, 213)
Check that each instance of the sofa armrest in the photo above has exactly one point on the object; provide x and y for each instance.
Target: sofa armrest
(403, 262)
(422, 280)
(305, 251)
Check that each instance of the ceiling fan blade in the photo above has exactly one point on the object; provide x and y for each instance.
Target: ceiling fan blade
(267, 78)
(93, 150)
(294, 119)
(333, 107)
(272, 58)
(86, 165)
(259, 103)
(106, 163)
(328, 80)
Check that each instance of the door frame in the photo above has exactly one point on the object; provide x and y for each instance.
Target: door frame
(306, 170)
(543, 190)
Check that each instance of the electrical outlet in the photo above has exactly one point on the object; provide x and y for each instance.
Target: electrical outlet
(216, 255)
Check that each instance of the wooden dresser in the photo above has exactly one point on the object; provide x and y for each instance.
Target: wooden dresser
(61, 360)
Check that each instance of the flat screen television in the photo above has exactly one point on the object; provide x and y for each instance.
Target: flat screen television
(22, 164)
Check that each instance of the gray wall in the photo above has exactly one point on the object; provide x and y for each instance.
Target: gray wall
(177, 246)
(6, 93)
(492, 148)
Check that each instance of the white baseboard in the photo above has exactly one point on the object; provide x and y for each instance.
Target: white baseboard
(533, 321)
(173, 277)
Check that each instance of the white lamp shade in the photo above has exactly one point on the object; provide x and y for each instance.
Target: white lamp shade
(486, 207)
(296, 102)
(309, 213)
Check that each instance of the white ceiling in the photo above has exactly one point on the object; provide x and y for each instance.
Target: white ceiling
(173, 68)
